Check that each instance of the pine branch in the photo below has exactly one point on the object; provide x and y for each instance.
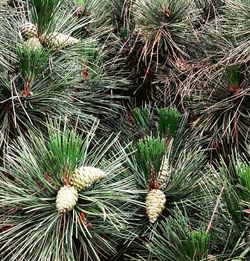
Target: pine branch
(83, 224)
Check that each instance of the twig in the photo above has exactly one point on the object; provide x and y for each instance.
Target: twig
(215, 210)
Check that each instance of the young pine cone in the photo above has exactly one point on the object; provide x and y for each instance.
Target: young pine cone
(155, 203)
(59, 41)
(84, 177)
(66, 198)
(28, 30)
(163, 178)
(33, 44)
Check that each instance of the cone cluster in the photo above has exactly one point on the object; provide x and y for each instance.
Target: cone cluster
(52, 40)
(84, 177)
(66, 198)
(30, 35)
(155, 203)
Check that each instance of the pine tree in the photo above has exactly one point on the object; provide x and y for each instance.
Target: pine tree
(165, 174)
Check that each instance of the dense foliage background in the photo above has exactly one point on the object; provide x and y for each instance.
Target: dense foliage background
(125, 130)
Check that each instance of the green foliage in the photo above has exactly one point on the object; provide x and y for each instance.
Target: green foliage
(168, 121)
(81, 2)
(164, 27)
(124, 33)
(32, 63)
(121, 18)
(27, 101)
(151, 120)
(36, 229)
(222, 110)
(64, 152)
(191, 58)
(230, 231)
(149, 155)
(244, 179)
(184, 171)
(38, 84)
(229, 31)
(44, 12)
(197, 244)
(233, 74)
(142, 117)
(176, 241)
